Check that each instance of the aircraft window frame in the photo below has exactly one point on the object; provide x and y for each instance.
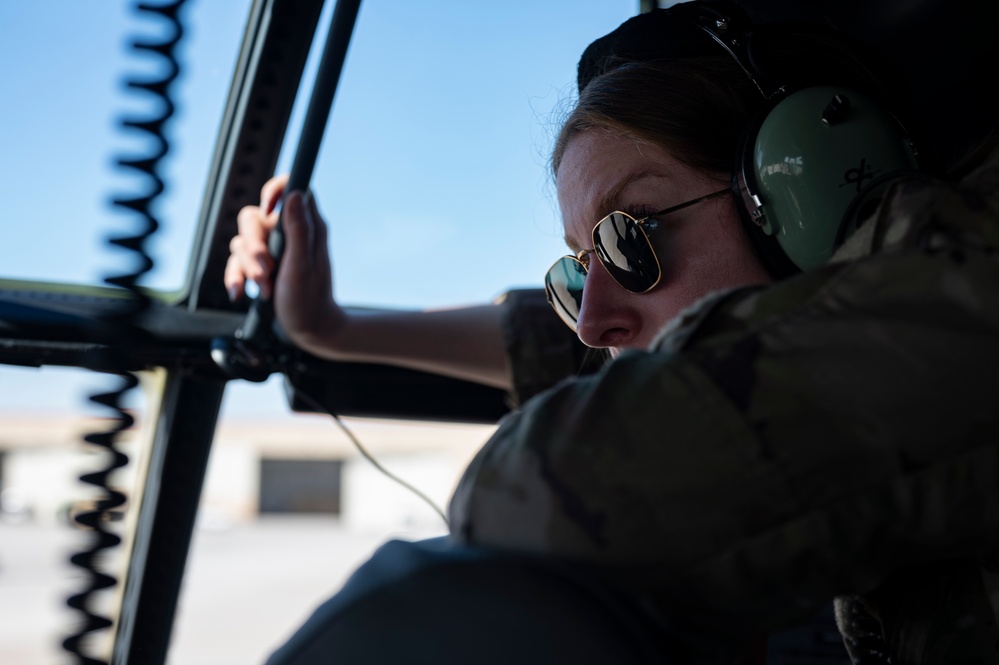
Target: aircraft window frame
(53, 324)
(48, 324)
(65, 76)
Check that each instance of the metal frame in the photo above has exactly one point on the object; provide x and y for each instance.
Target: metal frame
(168, 507)
(268, 73)
(52, 325)
(278, 37)
(43, 324)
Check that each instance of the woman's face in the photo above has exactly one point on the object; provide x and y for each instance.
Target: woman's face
(701, 248)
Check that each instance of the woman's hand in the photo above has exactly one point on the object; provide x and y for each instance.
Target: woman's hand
(303, 289)
(466, 343)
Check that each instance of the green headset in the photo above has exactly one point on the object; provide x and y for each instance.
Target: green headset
(818, 156)
(814, 163)
(815, 168)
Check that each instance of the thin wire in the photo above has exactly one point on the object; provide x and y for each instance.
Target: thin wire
(368, 456)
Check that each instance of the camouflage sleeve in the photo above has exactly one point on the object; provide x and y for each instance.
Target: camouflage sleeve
(778, 445)
(541, 349)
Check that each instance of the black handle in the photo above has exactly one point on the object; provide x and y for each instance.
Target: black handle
(247, 356)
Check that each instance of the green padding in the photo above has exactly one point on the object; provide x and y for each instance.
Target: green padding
(809, 171)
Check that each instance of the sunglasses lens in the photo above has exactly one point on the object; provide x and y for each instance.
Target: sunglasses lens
(564, 286)
(624, 250)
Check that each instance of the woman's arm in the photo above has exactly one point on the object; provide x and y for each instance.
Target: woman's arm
(465, 343)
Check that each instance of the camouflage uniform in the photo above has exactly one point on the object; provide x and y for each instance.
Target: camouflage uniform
(834, 433)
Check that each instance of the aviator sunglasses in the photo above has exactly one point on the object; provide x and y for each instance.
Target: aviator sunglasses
(622, 246)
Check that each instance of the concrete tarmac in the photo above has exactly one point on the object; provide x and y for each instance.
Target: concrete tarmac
(248, 586)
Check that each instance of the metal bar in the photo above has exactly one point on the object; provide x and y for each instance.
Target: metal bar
(260, 318)
(269, 71)
(279, 35)
(168, 507)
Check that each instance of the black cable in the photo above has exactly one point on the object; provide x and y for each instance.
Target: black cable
(119, 326)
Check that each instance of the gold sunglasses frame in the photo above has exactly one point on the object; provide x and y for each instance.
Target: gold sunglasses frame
(578, 257)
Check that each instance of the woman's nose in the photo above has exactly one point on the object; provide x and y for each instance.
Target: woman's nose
(606, 317)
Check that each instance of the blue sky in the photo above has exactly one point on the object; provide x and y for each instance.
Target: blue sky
(433, 172)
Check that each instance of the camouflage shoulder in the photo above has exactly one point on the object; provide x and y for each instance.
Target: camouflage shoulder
(727, 315)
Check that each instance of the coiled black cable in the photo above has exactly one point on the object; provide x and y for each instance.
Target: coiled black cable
(118, 329)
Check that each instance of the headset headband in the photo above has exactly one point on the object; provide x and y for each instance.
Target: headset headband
(667, 33)
(821, 123)
(702, 28)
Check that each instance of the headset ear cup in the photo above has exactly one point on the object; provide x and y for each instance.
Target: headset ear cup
(804, 161)
(766, 247)
(866, 204)
(744, 186)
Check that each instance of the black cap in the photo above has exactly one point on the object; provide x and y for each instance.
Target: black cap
(674, 32)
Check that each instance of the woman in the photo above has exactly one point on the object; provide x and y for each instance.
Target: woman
(762, 440)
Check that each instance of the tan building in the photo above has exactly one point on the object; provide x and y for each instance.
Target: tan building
(270, 464)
